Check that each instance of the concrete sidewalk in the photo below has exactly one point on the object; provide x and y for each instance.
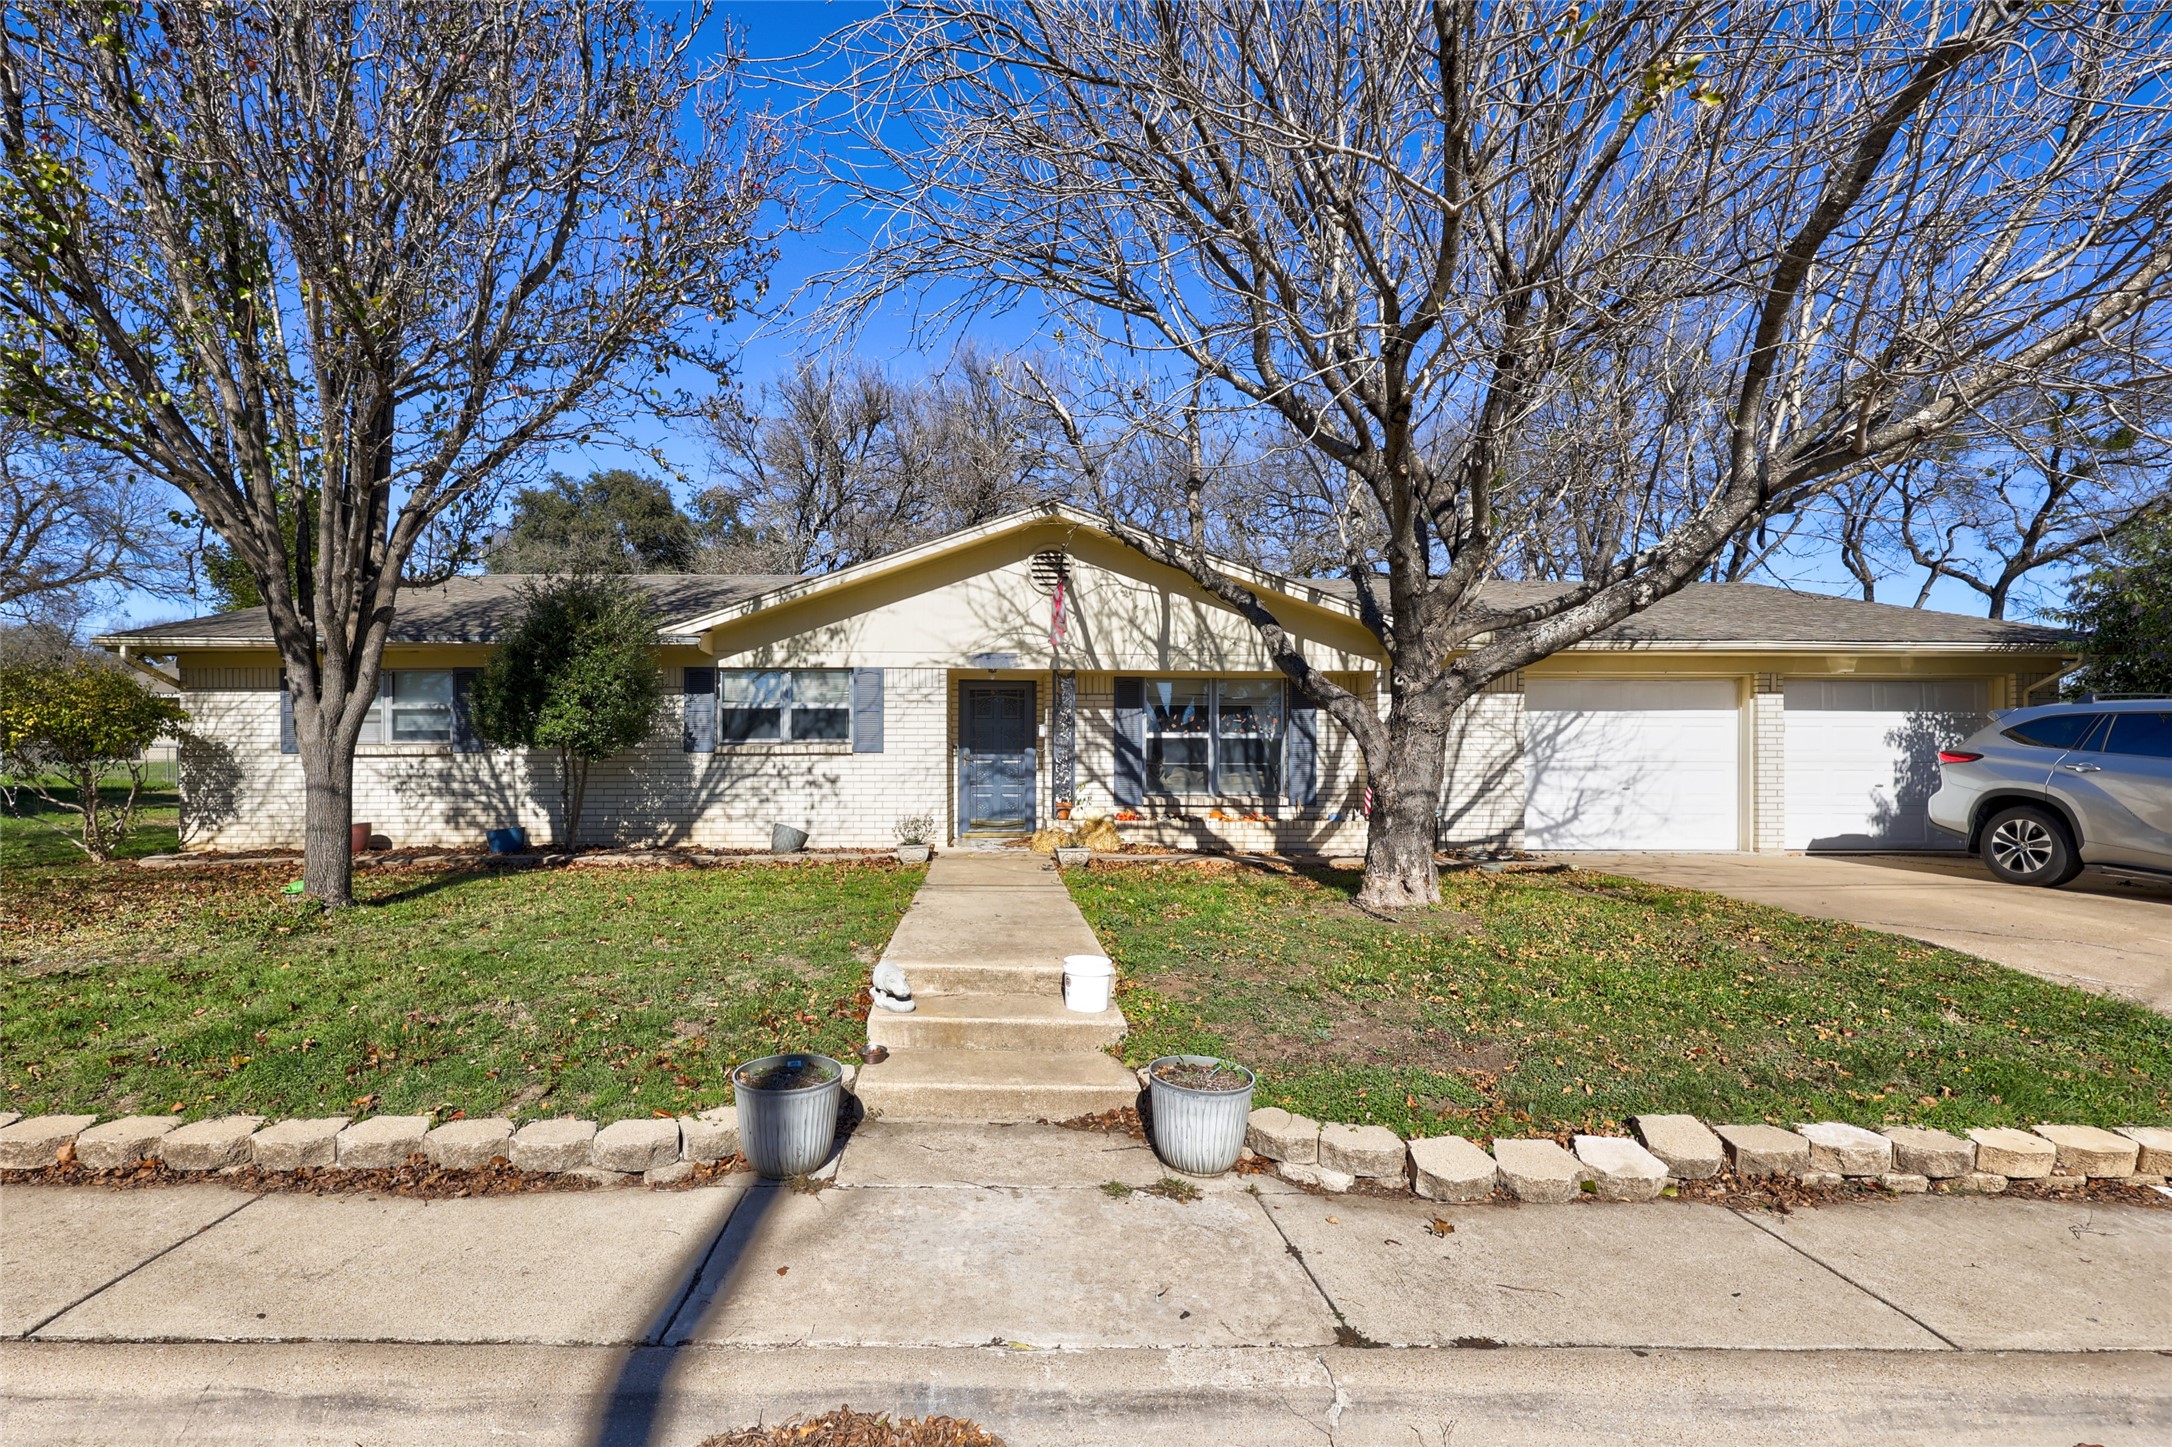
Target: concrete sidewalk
(2109, 935)
(985, 1271)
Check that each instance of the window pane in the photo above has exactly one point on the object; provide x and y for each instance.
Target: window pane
(2146, 734)
(821, 722)
(419, 705)
(748, 725)
(750, 705)
(1250, 766)
(1177, 763)
(1176, 706)
(823, 687)
(753, 688)
(2058, 731)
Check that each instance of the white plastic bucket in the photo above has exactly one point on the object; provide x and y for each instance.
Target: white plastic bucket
(1086, 982)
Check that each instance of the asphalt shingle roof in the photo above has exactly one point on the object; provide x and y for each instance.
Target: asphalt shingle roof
(476, 610)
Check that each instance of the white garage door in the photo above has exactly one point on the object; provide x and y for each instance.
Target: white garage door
(1862, 759)
(1632, 764)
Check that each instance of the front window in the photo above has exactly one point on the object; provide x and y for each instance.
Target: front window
(1214, 736)
(413, 706)
(767, 706)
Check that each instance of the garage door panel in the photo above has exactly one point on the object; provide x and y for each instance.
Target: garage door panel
(1862, 759)
(1632, 764)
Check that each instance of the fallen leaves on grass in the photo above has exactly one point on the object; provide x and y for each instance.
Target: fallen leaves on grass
(847, 1428)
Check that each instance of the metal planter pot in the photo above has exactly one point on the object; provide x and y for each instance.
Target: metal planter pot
(788, 1132)
(1198, 1132)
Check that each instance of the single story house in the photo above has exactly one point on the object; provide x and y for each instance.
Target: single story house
(991, 676)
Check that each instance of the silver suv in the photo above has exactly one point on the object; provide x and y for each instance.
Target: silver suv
(2044, 791)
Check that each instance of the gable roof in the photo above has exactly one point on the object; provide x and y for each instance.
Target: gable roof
(1700, 616)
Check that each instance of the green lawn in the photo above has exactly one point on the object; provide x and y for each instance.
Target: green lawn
(596, 992)
(1548, 1002)
(37, 834)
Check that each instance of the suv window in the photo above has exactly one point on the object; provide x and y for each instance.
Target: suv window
(2147, 734)
(2056, 731)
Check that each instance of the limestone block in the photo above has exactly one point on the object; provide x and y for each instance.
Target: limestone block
(1982, 1183)
(2016, 1154)
(382, 1142)
(710, 1136)
(293, 1145)
(1819, 1179)
(1904, 1183)
(1764, 1150)
(2059, 1182)
(2085, 1150)
(635, 1145)
(28, 1144)
(1450, 1168)
(1316, 1175)
(1362, 1150)
(597, 1176)
(1848, 1149)
(553, 1145)
(2155, 1156)
(468, 1145)
(1538, 1171)
(1690, 1150)
(1280, 1136)
(119, 1144)
(1621, 1169)
(669, 1175)
(209, 1145)
(1931, 1153)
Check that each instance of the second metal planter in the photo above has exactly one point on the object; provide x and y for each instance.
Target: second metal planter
(1198, 1132)
(790, 1131)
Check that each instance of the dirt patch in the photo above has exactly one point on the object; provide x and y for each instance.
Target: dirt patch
(1372, 1033)
(1190, 1075)
(847, 1428)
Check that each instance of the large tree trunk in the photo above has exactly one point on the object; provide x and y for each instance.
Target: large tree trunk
(1399, 868)
(327, 822)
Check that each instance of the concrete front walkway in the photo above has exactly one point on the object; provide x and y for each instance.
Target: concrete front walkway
(983, 946)
(985, 1271)
(2109, 935)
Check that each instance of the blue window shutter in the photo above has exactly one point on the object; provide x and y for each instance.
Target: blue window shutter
(1304, 750)
(464, 740)
(867, 710)
(287, 741)
(698, 731)
(1129, 784)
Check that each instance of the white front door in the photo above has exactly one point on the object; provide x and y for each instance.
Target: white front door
(1862, 759)
(1632, 763)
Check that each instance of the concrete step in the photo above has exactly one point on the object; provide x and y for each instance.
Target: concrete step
(983, 977)
(994, 1022)
(994, 1085)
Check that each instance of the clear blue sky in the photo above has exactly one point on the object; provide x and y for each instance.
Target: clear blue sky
(777, 34)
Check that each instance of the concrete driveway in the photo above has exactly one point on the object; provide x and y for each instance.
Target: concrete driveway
(2109, 935)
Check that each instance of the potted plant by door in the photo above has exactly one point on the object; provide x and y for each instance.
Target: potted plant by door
(1200, 1104)
(913, 834)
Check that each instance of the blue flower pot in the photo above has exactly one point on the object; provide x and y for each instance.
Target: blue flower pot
(507, 841)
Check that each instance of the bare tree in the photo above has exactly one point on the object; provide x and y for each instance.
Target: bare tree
(73, 526)
(2006, 501)
(1390, 225)
(838, 462)
(334, 269)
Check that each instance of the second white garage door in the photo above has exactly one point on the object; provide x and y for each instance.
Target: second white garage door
(1632, 764)
(1862, 759)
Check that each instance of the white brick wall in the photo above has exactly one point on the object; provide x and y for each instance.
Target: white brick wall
(1483, 785)
(1768, 764)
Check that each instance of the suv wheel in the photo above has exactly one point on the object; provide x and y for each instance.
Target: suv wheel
(2028, 845)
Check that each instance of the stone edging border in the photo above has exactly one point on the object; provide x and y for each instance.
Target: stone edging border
(665, 1150)
(1670, 1149)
